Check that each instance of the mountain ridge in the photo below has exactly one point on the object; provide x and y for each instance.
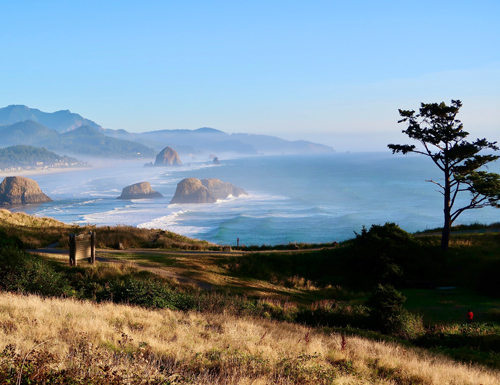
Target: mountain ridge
(200, 140)
(83, 140)
(61, 121)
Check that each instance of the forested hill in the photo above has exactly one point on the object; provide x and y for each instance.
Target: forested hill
(28, 156)
(82, 141)
(87, 141)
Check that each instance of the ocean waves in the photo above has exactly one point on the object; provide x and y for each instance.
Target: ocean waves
(311, 199)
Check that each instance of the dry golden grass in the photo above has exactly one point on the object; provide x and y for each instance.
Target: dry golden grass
(88, 339)
(25, 220)
(37, 232)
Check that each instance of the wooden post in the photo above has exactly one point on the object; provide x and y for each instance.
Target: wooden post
(92, 248)
(72, 250)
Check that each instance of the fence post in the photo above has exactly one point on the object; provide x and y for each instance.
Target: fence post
(92, 248)
(72, 250)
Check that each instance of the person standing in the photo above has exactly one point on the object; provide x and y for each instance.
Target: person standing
(470, 316)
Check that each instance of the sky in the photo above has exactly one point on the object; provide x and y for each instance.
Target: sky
(333, 72)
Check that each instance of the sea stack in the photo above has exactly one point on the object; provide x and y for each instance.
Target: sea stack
(193, 190)
(216, 160)
(167, 157)
(139, 191)
(18, 190)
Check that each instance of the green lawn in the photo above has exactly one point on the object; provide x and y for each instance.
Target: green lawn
(443, 308)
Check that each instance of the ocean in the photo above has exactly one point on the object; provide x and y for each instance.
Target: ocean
(292, 198)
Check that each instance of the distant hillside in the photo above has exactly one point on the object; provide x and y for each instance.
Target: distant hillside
(81, 141)
(23, 156)
(28, 133)
(202, 140)
(87, 141)
(210, 140)
(61, 121)
(273, 144)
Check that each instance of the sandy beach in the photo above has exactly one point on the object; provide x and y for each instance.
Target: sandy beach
(52, 170)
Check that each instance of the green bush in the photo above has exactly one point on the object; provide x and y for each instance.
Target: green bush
(388, 316)
(151, 293)
(386, 305)
(7, 240)
(383, 254)
(27, 273)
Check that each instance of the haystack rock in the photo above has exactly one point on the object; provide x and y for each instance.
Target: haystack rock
(216, 160)
(17, 190)
(139, 191)
(167, 157)
(192, 190)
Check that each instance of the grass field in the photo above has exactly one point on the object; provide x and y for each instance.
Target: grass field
(326, 288)
(67, 341)
(441, 308)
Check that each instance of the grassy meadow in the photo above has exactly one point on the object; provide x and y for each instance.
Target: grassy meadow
(364, 311)
(71, 341)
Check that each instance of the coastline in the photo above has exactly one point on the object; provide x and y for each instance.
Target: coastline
(52, 170)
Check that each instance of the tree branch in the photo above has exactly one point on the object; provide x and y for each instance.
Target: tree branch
(439, 184)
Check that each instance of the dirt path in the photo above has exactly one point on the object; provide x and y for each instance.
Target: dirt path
(162, 272)
(51, 250)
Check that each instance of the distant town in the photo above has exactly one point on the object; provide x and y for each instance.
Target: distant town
(41, 166)
(21, 157)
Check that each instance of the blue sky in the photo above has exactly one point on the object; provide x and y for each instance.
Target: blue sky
(335, 72)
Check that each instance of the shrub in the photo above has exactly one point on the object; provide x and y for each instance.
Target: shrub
(388, 316)
(28, 273)
(389, 255)
(386, 306)
(151, 293)
(408, 325)
(7, 240)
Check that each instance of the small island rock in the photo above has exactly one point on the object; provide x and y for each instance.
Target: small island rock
(167, 157)
(193, 190)
(216, 160)
(18, 190)
(139, 191)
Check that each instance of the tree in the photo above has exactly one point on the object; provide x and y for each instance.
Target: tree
(386, 305)
(443, 140)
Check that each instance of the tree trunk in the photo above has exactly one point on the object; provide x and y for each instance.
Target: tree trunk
(445, 237)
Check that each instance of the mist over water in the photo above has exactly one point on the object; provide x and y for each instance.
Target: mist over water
(321, 198)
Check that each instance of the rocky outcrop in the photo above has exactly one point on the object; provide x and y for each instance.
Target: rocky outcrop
(17, 190)
(221, 190)
(192, 190)
(216, 160)
(167, 157)
(139, 191)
